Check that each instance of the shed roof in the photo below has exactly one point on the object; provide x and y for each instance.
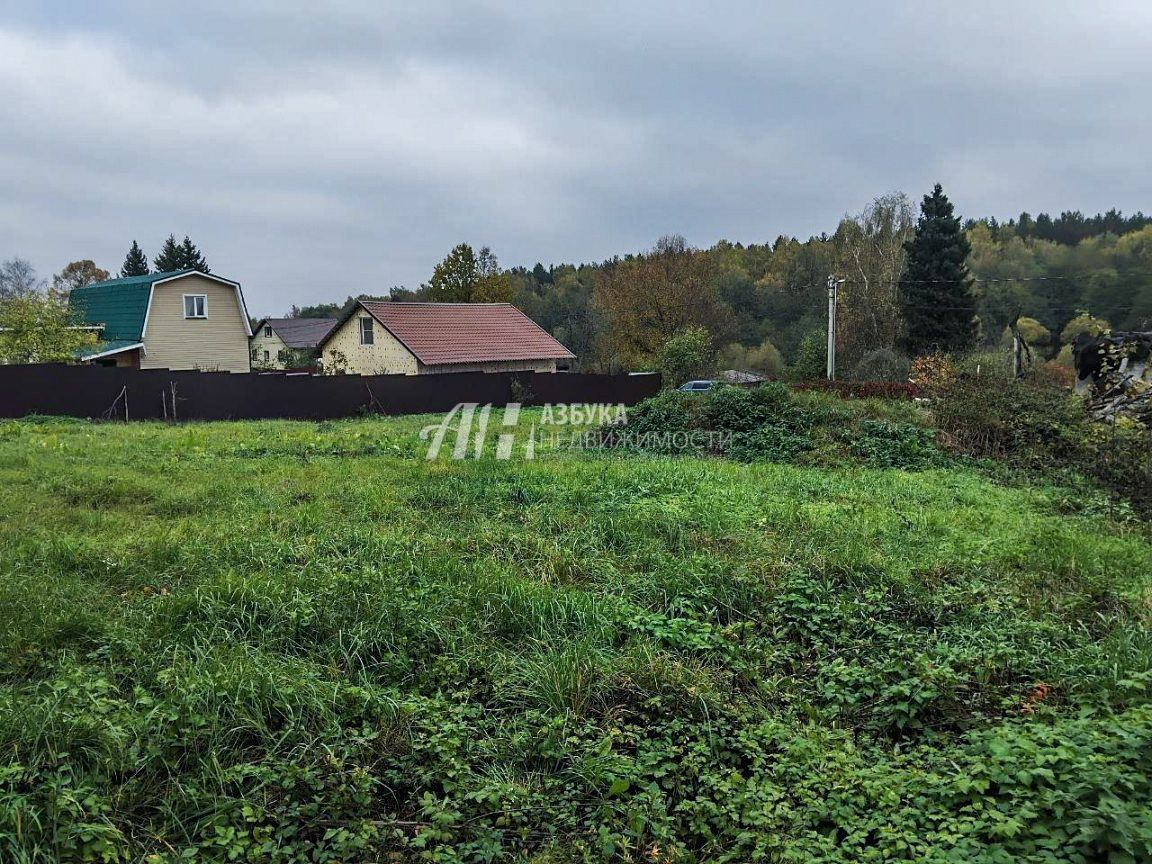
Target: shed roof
(300, 332)
(447, 333)
(740, 376)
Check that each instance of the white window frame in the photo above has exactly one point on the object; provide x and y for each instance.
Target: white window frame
(203, 298)
(267, 331)
(371, 330)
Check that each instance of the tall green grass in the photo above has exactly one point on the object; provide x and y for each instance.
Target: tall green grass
(301, 642)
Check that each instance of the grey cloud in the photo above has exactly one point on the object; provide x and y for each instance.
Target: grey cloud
(315, 153)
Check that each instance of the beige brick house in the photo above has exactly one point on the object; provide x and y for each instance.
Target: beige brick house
(381, 337)
(184, 320)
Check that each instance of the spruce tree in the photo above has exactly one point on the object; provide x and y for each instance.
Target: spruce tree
(191, 259)
(171, 257)
(936, 290)
(135, 263)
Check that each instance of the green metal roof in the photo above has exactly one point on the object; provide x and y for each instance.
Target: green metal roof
(109, 347)
(119, 304)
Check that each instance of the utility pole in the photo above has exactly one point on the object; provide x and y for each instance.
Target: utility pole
(833, 290)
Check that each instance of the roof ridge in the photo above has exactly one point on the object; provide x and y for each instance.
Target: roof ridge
(437, 303)
(285, 322)
(135, 280)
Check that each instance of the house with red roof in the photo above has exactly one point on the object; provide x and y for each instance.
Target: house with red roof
(380, 337)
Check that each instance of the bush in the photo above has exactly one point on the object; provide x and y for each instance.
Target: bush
(986, 416)
(1083, 323)
(883, 364)
(770, 423)
(735, 409)
(670, 411)
(811, 359)
(764, 358)
(1037, 423)
(903, 390)
(687, 355)
(931, 373)
(880, 444)
(772, 442)
(1058, 373)
(1038, 337)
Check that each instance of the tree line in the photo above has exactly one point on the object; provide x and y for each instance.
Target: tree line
(1069, 228)
(912, 280)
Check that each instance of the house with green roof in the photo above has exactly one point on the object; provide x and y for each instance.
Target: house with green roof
(182, 320)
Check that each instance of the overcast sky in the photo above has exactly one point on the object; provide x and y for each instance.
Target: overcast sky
(338, 148)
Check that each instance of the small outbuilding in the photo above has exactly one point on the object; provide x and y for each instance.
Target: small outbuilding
(741, 377)
(382, 337)
(279, 343)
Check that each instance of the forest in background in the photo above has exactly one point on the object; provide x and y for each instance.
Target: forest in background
(764, 305)
(764, 296)
(756, 307)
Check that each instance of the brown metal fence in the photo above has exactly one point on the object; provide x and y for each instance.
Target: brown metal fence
(160, 394)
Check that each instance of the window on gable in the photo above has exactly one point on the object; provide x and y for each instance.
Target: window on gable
(267, 356)
(367, 337)
(195, 305)
(267, 332)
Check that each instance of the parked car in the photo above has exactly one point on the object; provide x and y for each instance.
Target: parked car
(696, 386)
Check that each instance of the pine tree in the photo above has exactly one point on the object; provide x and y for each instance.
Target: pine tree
(135, 262)
(171, 257)
(191, 259)
(936, 290)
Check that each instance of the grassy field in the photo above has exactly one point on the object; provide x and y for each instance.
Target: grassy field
(293, 642)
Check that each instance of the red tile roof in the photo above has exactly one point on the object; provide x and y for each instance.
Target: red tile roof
(444, 333)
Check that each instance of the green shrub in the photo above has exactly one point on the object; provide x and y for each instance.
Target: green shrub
(1022, 420)
(736, 409)
(774, 396)
(771, 442)
(811, 359)
(1038, 424)
(771, 423)
(669, 411)
(882, 364)
(687, 355)
(880, 444)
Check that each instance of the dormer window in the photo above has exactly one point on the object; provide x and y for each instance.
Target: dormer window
(195, 305)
